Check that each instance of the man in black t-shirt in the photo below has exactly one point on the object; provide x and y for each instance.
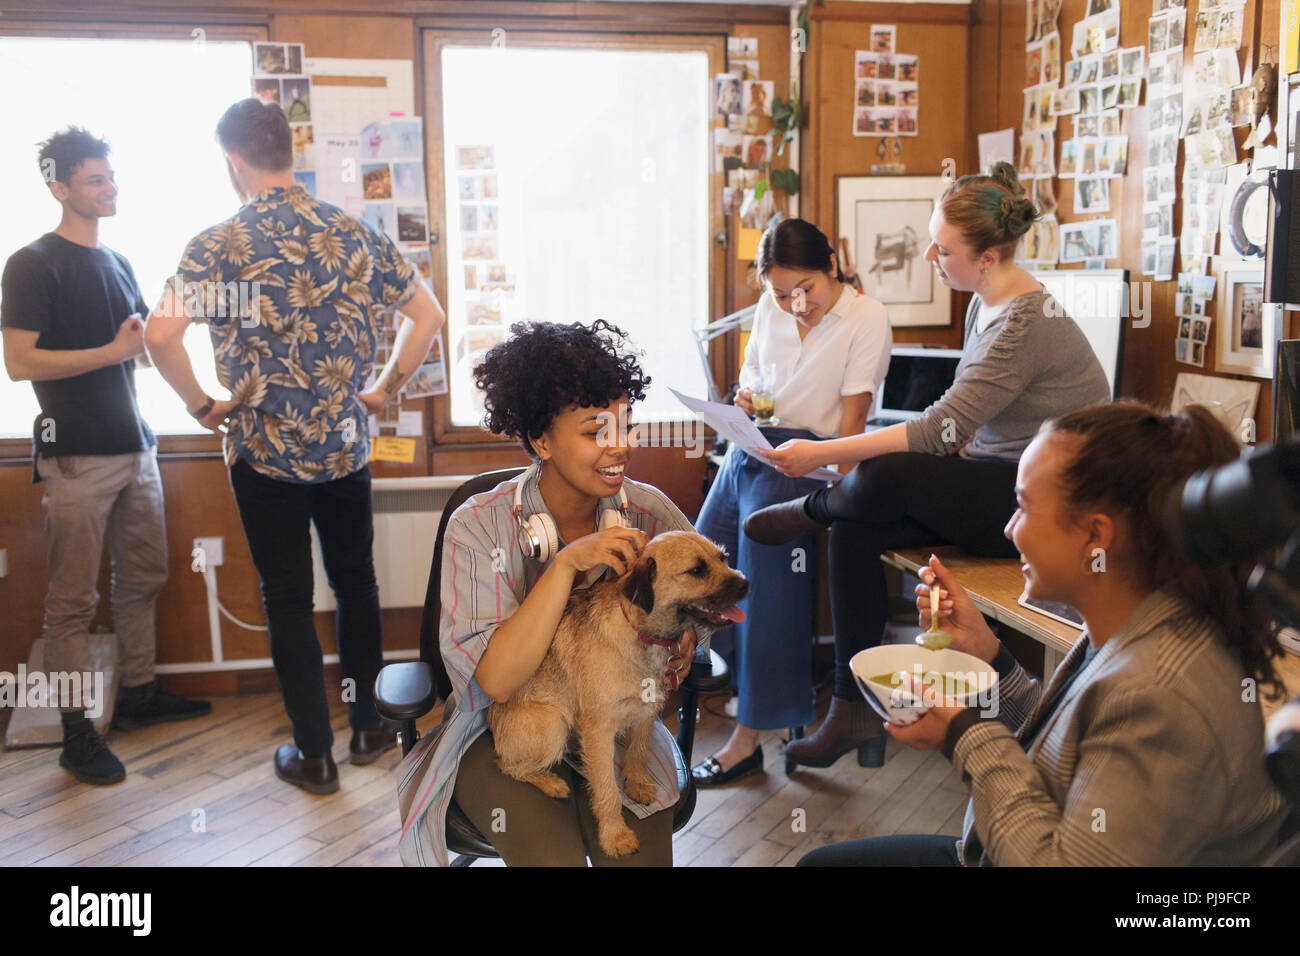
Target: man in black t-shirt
(72, 320)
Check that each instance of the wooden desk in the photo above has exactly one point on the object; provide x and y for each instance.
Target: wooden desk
(995, 585)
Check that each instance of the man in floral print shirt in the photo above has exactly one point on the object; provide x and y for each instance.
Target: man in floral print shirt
(295, 293)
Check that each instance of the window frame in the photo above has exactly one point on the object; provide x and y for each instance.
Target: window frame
(432, 41)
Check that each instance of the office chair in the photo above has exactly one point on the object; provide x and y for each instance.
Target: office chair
(406, 691)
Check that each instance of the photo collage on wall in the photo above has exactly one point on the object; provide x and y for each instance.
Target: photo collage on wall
(278, 77)
(490, 287)
(744, 141)
(886, 87)
(1037, 167)
(1195, 293)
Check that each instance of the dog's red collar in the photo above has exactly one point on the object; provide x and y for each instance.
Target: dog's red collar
(645, 639)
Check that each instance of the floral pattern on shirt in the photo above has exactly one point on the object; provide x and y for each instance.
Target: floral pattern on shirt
(295, 292)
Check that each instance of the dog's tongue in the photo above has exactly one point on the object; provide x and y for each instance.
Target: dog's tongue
(733, 613)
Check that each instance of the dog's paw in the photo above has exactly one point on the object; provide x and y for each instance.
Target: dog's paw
(640, 788)
(618, 841)
(550, 784)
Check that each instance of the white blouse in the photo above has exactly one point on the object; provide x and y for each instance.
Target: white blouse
(846, 353)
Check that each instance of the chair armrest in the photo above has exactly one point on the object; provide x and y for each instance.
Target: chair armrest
(708, 674)
(405, 691)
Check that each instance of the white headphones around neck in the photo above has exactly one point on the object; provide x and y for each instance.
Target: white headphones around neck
(537, 536)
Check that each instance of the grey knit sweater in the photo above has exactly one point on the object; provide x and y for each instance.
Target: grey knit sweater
(1031, 363)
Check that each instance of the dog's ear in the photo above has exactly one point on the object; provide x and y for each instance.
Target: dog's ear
(638, 587)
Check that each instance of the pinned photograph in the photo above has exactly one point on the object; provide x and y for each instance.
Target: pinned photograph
(1088, 159)
(1110, 65)
(1113, 157)
(757, 102)
(864, 65)
(756, 152)
(1157, 34)
(469, 218)
(745, 69)
(489, 187)
(1231, 21)
(1165, 259)
(381, 217)
(1091, 69)
(1074, 72)
(408, 180)
(1131, 62)
(471, 278)
(293, 58)
(1091, 194)
(1130, 94)
(1069, 159)
(479, 247)
(886, 67)
(376, 181)
(1046, 118)
(1239, 112)
(1089, 100)
(1108, 239)
(475, 157)
(1079, 241)
(1109, 123)
(1052, 58)
(467, 187)
(1207, 30)
(303, 138)
(1085, 126)
(1219, 112)
(727, 94)
(270, 58)
(1110, 95)
(307, 180)
(266, 90)
(295, 99)
(908, 68)
(429, 379)
(882, 38)
(1033, 65)
(1065, 102)
(1177, 27)
(487, 218)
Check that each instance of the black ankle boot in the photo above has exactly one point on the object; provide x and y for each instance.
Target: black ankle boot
(152, 703)
(851, 724)
(86, 756)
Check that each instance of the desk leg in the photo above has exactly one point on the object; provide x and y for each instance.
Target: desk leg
(1051, 660)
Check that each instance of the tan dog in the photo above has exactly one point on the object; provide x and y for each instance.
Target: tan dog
(602, 675)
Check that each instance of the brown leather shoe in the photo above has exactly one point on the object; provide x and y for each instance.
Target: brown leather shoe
(850, 724)
(367, 745)
(781, 523)
(313, 774)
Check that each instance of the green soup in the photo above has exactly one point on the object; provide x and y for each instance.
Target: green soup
(952, 685)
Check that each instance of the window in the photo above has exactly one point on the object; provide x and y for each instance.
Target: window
(577, 187)
(157, 102)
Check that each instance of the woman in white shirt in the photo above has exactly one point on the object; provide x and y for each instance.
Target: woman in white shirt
(830, 346)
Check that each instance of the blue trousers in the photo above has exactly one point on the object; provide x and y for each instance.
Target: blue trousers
(772, 648)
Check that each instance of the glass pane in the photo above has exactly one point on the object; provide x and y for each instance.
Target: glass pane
(577, 189)
(157, 102)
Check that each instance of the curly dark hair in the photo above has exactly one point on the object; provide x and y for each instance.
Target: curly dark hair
(545, 367)
(61, 154)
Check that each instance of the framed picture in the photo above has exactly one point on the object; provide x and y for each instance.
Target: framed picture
(1248, 330)
(886, 222)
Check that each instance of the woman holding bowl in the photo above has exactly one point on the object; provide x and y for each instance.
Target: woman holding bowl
(1145, 748)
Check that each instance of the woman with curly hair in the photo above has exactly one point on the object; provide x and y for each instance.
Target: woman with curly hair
(512, 556)
(948, 475)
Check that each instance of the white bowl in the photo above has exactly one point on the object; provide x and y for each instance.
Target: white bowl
(901, 707)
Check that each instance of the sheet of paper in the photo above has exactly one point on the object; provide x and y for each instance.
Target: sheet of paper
(1000, 145)
(736, 427)
(410, 424)
(392, 449)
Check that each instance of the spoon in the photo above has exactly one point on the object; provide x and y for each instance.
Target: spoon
(934, 639)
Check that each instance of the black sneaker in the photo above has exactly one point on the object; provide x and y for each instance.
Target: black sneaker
(152, 703)
(87, 757)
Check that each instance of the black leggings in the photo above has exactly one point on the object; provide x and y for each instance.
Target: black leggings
(903, 500)
(912, 849)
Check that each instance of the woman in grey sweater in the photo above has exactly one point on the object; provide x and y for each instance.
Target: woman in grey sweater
(949, 475)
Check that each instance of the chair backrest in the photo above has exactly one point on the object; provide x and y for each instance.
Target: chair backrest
(429, 651)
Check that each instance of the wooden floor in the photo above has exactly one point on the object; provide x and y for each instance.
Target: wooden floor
(202, 793)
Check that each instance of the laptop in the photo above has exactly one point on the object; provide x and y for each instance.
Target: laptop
(917, 377)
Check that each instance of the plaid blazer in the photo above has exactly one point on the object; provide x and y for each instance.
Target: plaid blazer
(1154, 756)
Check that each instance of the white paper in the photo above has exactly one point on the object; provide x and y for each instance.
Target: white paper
(736, 427)
(1000, 145)
(410, 424)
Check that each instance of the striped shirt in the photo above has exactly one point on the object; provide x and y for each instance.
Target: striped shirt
(485, 577)
(1154, 756)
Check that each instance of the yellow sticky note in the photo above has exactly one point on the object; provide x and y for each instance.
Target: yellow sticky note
(384, 448)
(747, 244)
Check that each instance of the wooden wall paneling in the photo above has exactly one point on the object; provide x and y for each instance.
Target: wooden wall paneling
(945, 130)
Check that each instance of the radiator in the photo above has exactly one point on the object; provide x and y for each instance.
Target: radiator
(407, 512)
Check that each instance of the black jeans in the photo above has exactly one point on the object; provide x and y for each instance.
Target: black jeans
(277, 516)
(903, 500)
(912, 849)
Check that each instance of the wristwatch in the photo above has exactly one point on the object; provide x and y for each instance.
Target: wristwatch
(201, 412)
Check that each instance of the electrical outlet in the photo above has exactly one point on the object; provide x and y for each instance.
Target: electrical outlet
(211, 550)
